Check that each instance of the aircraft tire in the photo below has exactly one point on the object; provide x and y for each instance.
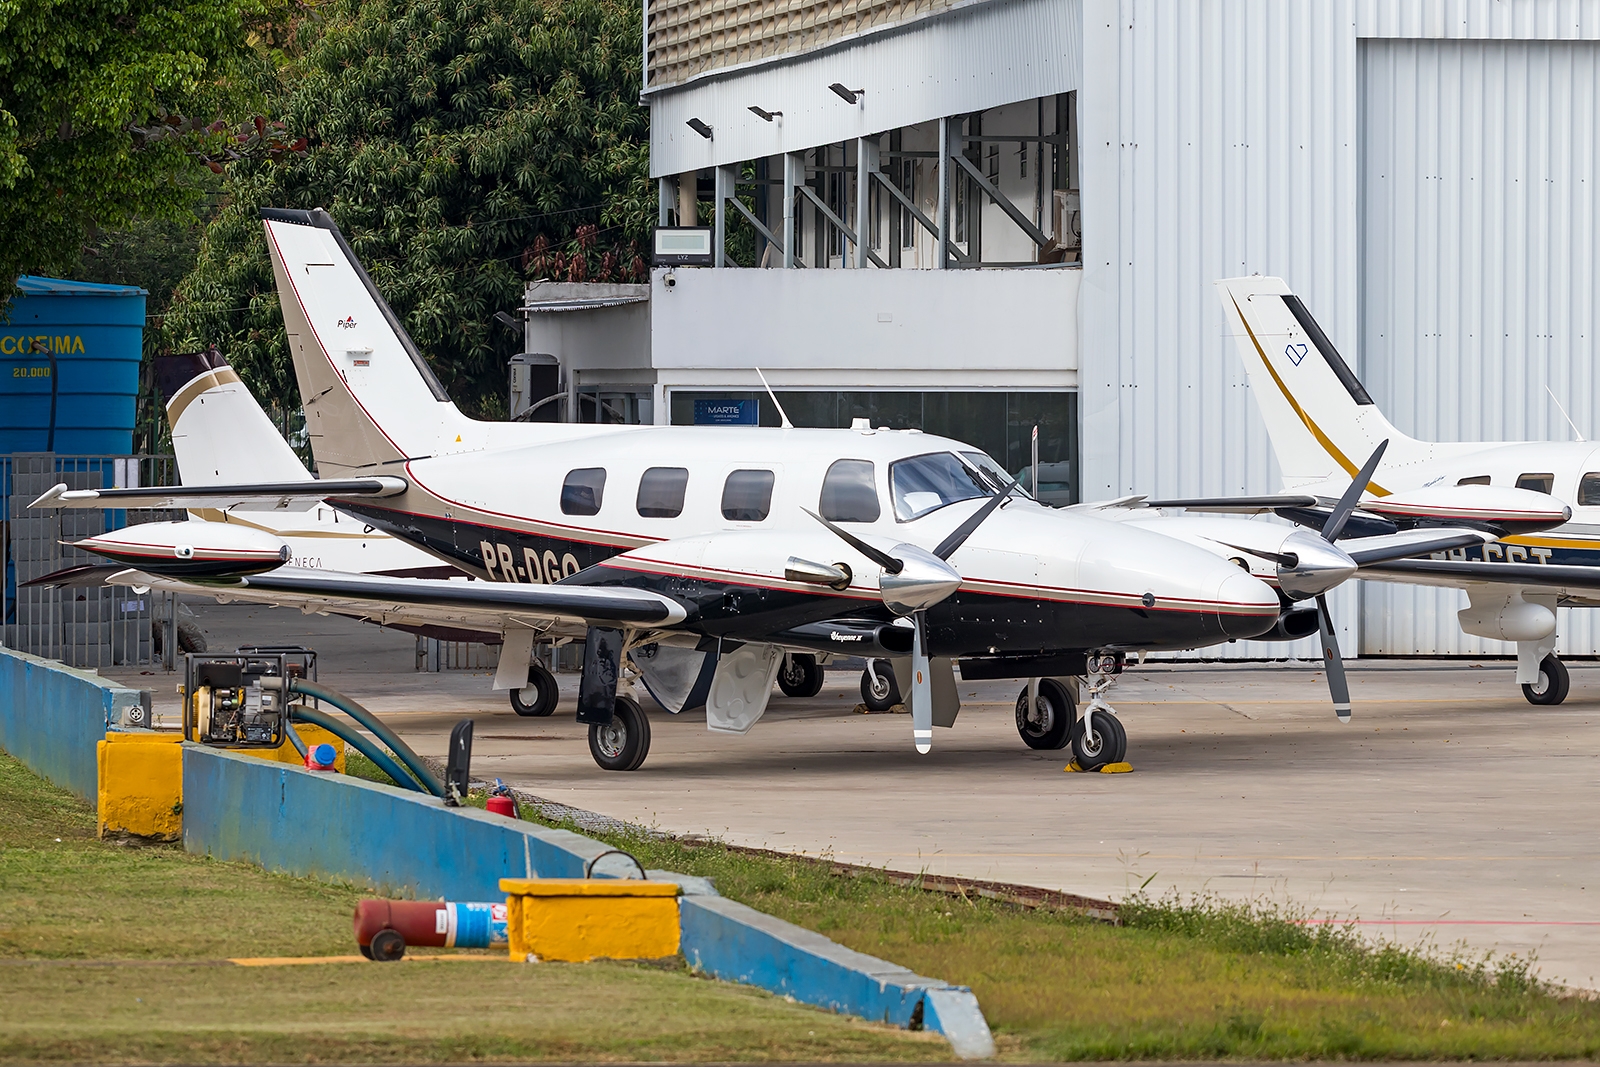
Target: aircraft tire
(1108, 744)
(884, 696)
(1554, 682)
(624, 742)
(800, 675)
(540, 696)
(1052, 728)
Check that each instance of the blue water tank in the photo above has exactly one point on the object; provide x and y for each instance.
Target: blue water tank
(69, 367)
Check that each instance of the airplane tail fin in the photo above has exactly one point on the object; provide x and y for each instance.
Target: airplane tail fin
(1317, 412)
(220, 435)
(371, 400)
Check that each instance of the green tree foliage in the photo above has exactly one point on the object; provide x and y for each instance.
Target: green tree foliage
(464, 147)
(109, 112)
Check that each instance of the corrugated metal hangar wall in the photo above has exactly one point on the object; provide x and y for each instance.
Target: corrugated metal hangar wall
(1479, 182)
(1223, 138)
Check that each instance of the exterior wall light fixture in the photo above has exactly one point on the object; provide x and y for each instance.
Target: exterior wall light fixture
(703, 129)
(764, 115)
(849, 96)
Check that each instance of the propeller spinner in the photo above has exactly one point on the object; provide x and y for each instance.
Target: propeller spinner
(913, 581)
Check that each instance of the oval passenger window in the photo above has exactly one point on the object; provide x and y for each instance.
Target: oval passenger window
(850, 492)
(583, 491)
(661, 491)
(747, 496)
(1589, 491)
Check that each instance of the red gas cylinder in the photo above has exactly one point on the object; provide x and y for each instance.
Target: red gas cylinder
(385, 927)
(502, 805)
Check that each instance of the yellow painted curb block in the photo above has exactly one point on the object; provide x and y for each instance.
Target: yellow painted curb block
(575, 919)
(141, 785)
(1110, 768)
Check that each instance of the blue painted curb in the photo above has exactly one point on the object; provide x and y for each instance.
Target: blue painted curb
(52, 716)
(739, 944)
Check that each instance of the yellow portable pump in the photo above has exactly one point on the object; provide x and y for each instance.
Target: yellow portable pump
(225, 702)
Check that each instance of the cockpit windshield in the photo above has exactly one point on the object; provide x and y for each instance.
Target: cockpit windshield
(926, 483)
(992, 472)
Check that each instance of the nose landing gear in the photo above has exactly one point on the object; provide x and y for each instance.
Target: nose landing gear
(1098, 739)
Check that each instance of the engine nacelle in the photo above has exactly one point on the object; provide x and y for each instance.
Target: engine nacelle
(1507, 617)
(191, 549)
(1294, 624)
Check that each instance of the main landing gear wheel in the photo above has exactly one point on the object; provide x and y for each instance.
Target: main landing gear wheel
(1054, 715)
(880, 691)
(1553, 683)
(624, 742)
(1106, 742)
(800, 675)
(540, 696)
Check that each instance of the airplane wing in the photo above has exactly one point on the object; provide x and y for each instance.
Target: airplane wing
(1243, 505)
(270, 494)
(1457, 573)
(1382, 548)
(488, 606)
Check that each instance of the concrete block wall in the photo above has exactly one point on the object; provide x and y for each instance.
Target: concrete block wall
(52, 716)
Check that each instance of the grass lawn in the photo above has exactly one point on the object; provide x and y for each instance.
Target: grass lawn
(114, 954)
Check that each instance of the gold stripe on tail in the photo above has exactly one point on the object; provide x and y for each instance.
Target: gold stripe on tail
(1327, 444)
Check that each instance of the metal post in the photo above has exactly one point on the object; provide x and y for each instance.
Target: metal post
(169, 647)
(688, 198)
(791, 168)
(719, 225)
(866, 163)
(941, 255)
(663, 200)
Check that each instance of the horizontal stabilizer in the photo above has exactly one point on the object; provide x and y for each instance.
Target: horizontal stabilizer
(270, 495)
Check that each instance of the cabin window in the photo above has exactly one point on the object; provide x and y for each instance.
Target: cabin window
(1589, 491)
(583, 491)
(1477, 479)
(1539, 483)
(661, 492)
(850, 492)
(926, 483)
(747, 496)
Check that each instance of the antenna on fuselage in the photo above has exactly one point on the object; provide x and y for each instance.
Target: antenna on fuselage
(787, 425)
(1576, 432)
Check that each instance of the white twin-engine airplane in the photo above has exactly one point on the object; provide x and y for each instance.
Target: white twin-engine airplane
(699, 556)
(1322, 422)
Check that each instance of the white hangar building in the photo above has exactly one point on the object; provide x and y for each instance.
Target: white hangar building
(978, 216)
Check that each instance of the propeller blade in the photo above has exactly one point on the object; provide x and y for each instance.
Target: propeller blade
(876, 555)
(921, 687)
(1352, 496)
(1282, 559)
(1338, 688)
(959, 535)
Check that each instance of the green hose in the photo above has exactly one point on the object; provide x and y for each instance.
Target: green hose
(294, 736)
(385, 762)
(376, 726)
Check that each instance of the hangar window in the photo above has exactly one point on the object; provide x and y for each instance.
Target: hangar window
(661, 492)
(583, 490)
(850, 492)
(747, 496)
(1589, 491)
(1477, 479)
(926, 483)
(1539, 483)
